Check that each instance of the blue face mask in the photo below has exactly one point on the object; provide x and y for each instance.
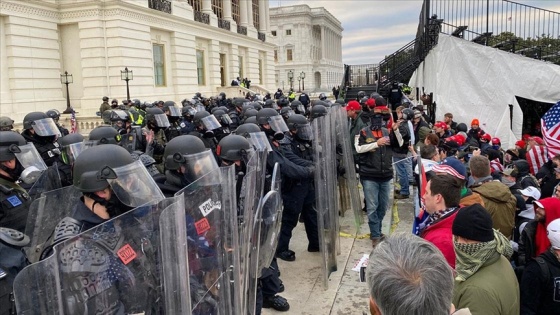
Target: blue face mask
(496, 147)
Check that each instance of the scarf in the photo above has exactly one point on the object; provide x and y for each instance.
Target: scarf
(471, 257)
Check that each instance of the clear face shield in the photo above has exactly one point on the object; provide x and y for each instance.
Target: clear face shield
(162, 121)
(200, 107)
(278, 124)
(301, 108)
(45, 127)
(197, 165)
(225, 120)
(133, 185)
(191, 111)
(210, 122)
(305, 132)
(174, 111)
(259, 141)
(70, 152)
(287, 114)
(31, 161)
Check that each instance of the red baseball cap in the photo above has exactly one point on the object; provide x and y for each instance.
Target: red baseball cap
(496, 141)
(486, 137)
(370, 103)
(538, 140)
(520, 143)
(353, 105)
(441, 124)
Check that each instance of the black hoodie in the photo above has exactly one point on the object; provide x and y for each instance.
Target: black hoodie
(540, 291)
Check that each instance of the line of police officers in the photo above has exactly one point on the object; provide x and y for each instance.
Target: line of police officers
(176, 146)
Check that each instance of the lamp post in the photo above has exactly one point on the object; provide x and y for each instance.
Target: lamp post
(291, 78)
(302, 75)
(126, 75)
(67, 79)
(299, 83)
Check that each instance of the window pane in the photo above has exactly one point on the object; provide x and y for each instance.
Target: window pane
(159, 65)
(200, 67)
(289, 56)
(288, 32)
(241, 67)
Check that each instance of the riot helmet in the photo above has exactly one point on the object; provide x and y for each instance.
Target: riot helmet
(136, 103)
(222, 117)
(6, 123)
(129, 180)
(119, 119)
(250, 112)
(234, 148)
(156, 118)
(105, 99)
(206, 121)
(114, 103)
(27, 163)
(54, 114)
(252, 132)
(361, 94)
(318, 111)
(297, 107)
(103, 135)
(251, 120)
(222, 96)
(272, 123)
(301, 126)
(286, 112)
(188, 156)
(188, 112)
(72, 145)
(322, 96)
(269, 104)
(340, 101)
(42, 124)
(283, 102)
(172, 110)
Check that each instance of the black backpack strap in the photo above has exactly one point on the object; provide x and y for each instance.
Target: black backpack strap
(545, 271)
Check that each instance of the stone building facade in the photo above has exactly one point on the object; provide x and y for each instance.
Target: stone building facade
(174, 49)
(307, 40)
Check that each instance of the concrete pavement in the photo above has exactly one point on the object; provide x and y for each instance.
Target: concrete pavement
(345, 294)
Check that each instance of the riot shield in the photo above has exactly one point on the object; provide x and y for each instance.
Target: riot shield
(347, 182)
(128, 141)
(133, 263)
(269, 220)
(210, 272)
(44, 214)
(325, 190)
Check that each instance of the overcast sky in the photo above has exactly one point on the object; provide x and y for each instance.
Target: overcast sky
(375, 28)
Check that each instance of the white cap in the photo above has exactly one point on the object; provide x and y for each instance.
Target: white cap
(531, 192)
(553, 232)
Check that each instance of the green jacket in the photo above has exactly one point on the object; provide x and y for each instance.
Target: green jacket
(355, 126)
(492, 290)
(501, 204)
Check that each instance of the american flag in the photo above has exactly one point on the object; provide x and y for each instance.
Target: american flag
(536, 157)
(496, 165)
(420, 213)
(73, 122)
(550, 124)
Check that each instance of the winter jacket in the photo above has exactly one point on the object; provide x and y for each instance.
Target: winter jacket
(501, 204)
(439, 234)
(548, 179)
(375, 163)
(539, 292)
(527, 249)
(355, 126)
(470, 199)
(492, 290)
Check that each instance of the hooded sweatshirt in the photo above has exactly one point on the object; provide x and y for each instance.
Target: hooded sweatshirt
(538, 290)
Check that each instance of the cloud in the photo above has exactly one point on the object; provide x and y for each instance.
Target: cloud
(376, 28)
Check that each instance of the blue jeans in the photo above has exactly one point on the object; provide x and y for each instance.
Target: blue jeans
(376, 194)
(402, 173)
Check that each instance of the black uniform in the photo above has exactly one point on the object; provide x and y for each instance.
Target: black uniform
(298, 196)
(14, 205)
(47, 147)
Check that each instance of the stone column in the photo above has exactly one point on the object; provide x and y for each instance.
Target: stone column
(243, 19)
(322, 42)
(263, 19)
(207, 6)
(227, 10)
(267, 15)
(249, 13)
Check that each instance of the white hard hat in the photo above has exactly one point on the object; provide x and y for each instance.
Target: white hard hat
(553, 232)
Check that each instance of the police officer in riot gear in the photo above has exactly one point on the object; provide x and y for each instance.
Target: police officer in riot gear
(206, 126)
(173, 113)
(156, 123)
(71, 146)
(42, 131)
(111, 185)
(103, 135)
(298, 195)
(185, 159)
(12, 261)
(235, 112)
(6, 123)
(186, 122)
(14, 200)
(317, 111)
(225, 122)
(361, 94)
(395, 96)
(55, 115)
(297, 107)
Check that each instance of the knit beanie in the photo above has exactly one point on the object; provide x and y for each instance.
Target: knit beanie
(473, 223)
